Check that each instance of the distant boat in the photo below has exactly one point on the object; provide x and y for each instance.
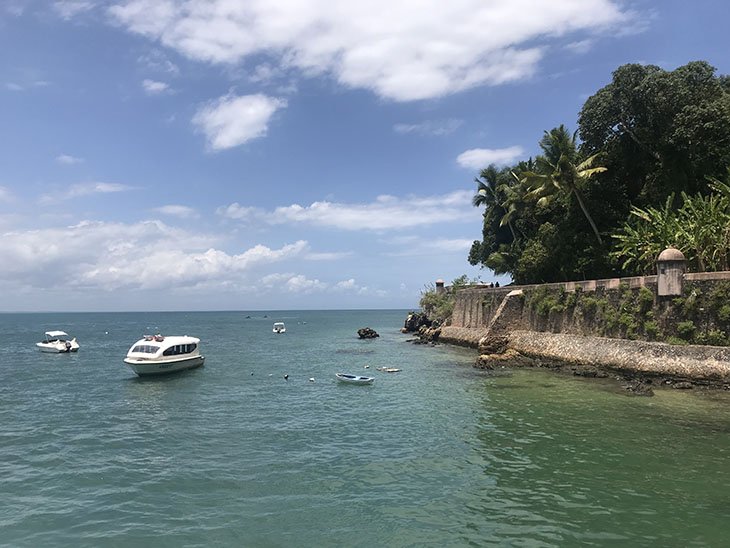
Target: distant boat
(354, 379)
(57, 342)
(279, 327)
(155, 355)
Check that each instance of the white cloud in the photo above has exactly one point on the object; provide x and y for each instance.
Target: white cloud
(153, 88)
(4, 194)
(430, 127)
(14, 86)
(387, 212)
(233, 120)
(68, 9)
(398, 49)
(147, 255)
(157, 61)
(84, 189)
(293, 283)
(68, 160)
(580, 47)
(184, 212)
(479, 158)
(416, 247)
(351, 286)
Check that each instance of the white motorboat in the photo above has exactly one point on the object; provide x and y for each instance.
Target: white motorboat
(57, 341)
(155, 354)
(279, 327)
(354, 379)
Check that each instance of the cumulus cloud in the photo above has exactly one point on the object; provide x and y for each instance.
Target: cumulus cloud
(84, 189)
(351, 286)
(293, 283)
(232, 120)
(68, 160)
(400, 50)
(153, 87)
(147, 255)
(184, 212)
(430, 127)
(386, 212)
(479, 158)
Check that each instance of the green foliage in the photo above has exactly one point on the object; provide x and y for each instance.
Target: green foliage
(686, 330)
(646, 300)
(648, 137)
(437, 306)
(720, 296)
(723, 314)
(700, 228)
(460, 283)
(676, 340)
(651, 329)
(590, 305)
(714, 337)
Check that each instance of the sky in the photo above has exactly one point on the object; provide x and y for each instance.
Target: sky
(286, 154)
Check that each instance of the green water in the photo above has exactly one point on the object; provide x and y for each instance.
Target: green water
(439, 454)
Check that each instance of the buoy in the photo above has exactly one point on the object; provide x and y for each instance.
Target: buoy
(311, 379)
(367, 367)
(252, 372)
(271, 374)
(286, 377)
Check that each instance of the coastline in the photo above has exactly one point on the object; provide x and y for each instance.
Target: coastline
(639, 365)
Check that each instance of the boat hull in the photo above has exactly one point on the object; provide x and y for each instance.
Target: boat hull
(56, 348)
(162, 367)
(353, 379)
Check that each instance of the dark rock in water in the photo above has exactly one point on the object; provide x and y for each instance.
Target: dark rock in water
(639, 388)
(682, 385)
(589, 371)
(367, 333)
(493, 345)
(414, 321)
(429, 334)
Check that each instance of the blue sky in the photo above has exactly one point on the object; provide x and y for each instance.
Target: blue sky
(286, 154)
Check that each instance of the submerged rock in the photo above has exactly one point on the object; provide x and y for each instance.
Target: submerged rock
(367, 333)
(638, 387)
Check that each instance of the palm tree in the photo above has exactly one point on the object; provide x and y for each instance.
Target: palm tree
(488, 190)
(560, 170)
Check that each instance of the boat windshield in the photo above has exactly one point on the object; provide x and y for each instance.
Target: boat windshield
(146, 348)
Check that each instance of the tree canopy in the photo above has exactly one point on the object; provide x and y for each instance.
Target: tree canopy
(645, 138)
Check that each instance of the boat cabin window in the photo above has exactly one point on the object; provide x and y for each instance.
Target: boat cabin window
(146, 348)
(179, 349)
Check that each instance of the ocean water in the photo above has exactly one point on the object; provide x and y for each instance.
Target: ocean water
(439, 454)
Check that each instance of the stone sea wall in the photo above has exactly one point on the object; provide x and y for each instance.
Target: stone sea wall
(620, 324)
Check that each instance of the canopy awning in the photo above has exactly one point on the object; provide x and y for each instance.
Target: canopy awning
(56, 334)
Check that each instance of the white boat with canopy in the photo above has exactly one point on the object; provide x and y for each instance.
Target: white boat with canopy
(155, 354)
(57, 342)
(279, 327)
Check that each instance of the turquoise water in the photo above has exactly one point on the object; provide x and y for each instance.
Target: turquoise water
(439, 454)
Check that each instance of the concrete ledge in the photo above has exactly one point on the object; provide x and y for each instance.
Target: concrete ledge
(711, 363)
(462, 336)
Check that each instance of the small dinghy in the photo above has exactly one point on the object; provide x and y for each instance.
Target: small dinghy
(354, 379)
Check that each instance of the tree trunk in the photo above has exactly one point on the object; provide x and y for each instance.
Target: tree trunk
(585, 212)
